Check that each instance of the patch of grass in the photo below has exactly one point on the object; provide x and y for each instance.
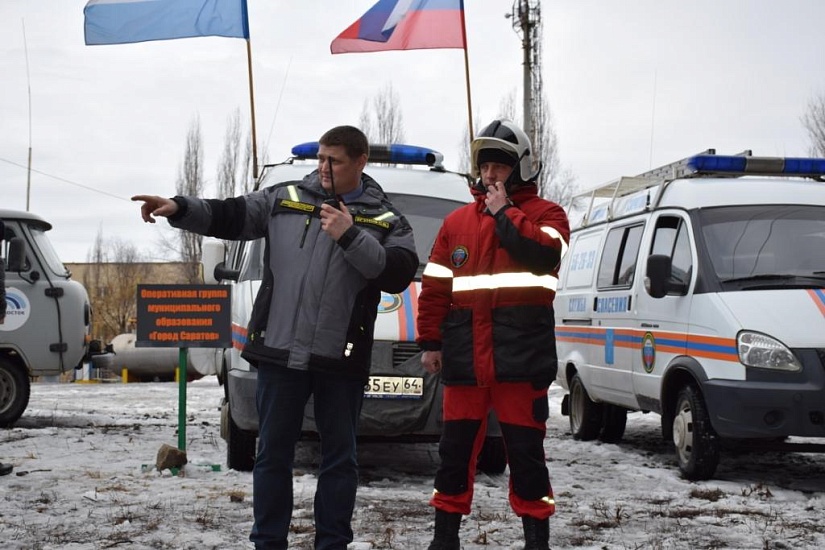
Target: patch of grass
(684, 513)
(237, 495)
(711, 495)
(387, 538)
(606, 517)
(389, 515)
(482, 515)
(758, 490)
(205, 517)
(46, 498)
(300, 527)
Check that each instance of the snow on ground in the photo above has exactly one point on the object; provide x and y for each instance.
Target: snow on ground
(80, 483)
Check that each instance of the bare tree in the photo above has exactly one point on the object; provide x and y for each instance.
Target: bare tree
(388, 124)
(190, 183)
(507, 107)
(814, 122)
(247, 177)
(230, 157)
(115, 269)
(464, 147)
(556, 182)
(365, 122)
(235, 163)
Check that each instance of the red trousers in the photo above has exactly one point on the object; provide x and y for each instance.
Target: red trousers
(522, 411)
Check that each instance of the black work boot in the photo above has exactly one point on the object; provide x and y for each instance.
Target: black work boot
(536, 533)
(446, 531)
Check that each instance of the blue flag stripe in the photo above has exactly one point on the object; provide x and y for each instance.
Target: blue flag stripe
(124, 22)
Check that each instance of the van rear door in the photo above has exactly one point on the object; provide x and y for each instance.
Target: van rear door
(614, 283)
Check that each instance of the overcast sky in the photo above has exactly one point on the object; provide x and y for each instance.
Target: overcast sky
(631, 85)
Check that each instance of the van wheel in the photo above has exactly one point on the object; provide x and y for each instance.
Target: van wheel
(696, 443)
(615, 420)
(240, 445)
(492, 459)
(585, 414)
(15, 390)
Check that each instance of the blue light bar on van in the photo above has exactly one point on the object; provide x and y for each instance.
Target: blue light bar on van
(765, 166)
(390, 154)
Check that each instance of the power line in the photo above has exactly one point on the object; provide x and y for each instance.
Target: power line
(64, 180)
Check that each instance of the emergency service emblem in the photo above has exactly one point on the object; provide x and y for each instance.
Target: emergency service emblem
(459, 256)
(648, 352)
(18, 310)
(389, 302)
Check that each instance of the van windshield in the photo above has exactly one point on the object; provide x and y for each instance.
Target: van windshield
(425, 215)
(48, 252)
(766, 245)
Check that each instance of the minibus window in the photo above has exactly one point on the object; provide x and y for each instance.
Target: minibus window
(618, 263)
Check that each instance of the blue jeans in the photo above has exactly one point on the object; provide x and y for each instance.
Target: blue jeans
(282, 395)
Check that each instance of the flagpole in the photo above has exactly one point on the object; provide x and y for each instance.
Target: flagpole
(252, 111)
(467, 73)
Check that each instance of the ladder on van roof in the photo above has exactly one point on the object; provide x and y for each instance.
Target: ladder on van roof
(628, 185)
(704, 164)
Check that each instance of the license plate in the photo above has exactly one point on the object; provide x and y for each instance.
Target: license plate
(394, 387)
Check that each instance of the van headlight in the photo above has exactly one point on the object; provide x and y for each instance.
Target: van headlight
(761, 351)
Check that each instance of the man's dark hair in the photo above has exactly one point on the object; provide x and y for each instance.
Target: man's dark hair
(351, 138)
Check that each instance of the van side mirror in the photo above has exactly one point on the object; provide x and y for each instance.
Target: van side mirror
(658, 275)
(212, 256)
(223, 273)
(17, 255)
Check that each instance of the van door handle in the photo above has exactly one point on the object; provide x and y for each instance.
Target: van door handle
(649, 325)
(582, 322)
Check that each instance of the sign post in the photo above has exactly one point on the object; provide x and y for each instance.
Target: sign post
(183, 358)
(183, 316)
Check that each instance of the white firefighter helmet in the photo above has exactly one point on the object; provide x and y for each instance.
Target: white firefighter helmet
(503, 136)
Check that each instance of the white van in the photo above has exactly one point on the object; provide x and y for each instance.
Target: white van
(403, 402)
(47, 330)
(697, 291)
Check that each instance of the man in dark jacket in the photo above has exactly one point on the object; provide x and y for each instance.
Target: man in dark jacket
(327, 259)
(485, 321)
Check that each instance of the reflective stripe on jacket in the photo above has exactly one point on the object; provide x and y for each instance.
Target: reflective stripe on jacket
(318, 299)
(487, 292)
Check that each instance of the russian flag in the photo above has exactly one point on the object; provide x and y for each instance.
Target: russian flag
(127, 21)
(405, 25)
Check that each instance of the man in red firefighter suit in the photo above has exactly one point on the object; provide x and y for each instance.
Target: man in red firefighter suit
(485, 321)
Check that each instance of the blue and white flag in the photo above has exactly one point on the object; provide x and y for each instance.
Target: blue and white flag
(127, 21)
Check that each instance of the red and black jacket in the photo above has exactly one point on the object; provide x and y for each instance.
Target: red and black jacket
(487, 292)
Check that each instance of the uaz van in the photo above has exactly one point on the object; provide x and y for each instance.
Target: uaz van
(403, 402)
(47, 330)
(697, 291)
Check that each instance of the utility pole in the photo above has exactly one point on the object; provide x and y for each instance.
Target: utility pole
(526, 16)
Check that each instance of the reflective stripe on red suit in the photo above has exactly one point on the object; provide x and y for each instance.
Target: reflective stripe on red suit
(486, 303)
